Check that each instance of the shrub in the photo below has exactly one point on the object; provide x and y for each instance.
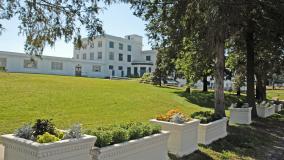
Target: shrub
(59, 134)
(26, 131)
(2, 69)
(43, 125)
(206, 117)
(104, 138)
(47, 138)
(119, 135)
(178, 118)
(124, 132)
(147, 78)
(155, 129)
(74, 132)
(135, 132)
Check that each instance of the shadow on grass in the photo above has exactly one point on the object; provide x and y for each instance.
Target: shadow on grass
(263, 139)
(206, 99)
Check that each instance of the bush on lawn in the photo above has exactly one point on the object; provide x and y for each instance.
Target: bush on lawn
(147, 78)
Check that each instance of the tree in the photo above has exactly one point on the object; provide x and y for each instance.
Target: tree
(195, 64)
(45, 21)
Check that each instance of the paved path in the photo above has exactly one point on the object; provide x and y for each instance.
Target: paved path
(1, 152)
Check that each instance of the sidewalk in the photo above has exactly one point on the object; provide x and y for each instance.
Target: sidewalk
(1, 152)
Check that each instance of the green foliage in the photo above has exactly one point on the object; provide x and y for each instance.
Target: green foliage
(2, 69)
(59, 134)
(147, 78)
(104, 137)
(26, 131)
(119, 135)
(42, 126)
(47, 138)
(206, 117)
(74, 132)
(124, 132)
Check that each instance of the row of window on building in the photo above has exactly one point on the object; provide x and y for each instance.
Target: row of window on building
(110, 57)
(99, 56)
(111, 44)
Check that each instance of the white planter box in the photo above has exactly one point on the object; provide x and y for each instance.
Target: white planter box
(207, 133)
(183, 137)
(69, 149)
(278, 107)
(240, 115)
(264, 111)
(152, 147)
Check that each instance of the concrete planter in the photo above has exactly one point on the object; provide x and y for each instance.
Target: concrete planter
(152, 147)
(71, 149)
(265, 110)
(183, 137)
(278, 107)
(240, 115)
(207, 133)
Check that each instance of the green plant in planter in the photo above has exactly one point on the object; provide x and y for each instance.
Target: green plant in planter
(47, 138)
(120, 133)
(26, 132)
(104, 138)
(74, 132)
(43, 125)
(206, 117)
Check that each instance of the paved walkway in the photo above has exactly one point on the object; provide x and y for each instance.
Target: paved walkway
(1, 152)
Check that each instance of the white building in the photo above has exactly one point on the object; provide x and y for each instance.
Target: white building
(105, 56)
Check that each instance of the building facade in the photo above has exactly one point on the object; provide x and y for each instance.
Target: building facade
(105, 56)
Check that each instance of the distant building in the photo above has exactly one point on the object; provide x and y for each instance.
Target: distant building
(105, 56)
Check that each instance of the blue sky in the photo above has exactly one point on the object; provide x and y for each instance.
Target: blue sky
(118, 20)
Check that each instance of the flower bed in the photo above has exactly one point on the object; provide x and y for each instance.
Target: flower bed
(265, 109)
(277, 105)
(183, 132)
(240, 114)
(211, 128)
(133, 141)
(44, 142)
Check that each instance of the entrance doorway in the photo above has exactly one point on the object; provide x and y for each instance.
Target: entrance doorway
(78, 71)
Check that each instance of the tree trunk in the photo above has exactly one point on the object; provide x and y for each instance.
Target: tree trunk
(239, 91)
(219, 76)
(250, 71)
(259, 88)
(205, 88)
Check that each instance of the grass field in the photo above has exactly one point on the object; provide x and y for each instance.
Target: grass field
(94, 102)
(90, 101)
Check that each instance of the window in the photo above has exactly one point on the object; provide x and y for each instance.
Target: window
(129, 48)
(84, 56)
(100, 44)
(96, 68)
(111, 56)
(92, 45)
(56, 66)
(30, 64)
(100, 55)
(110, 67)
(120, 57)
(120, 68)
(150, 69)
(3, 62)
(111, 44)
(148, 58)
(128, 37)
(120, 46)
(77, 56)
(92, 56)
(128, 58)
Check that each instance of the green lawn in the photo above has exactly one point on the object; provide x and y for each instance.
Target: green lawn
(90, 101)
(275, 93)
(94, 102)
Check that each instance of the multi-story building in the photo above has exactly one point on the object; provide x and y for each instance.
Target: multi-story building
(105, 56)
